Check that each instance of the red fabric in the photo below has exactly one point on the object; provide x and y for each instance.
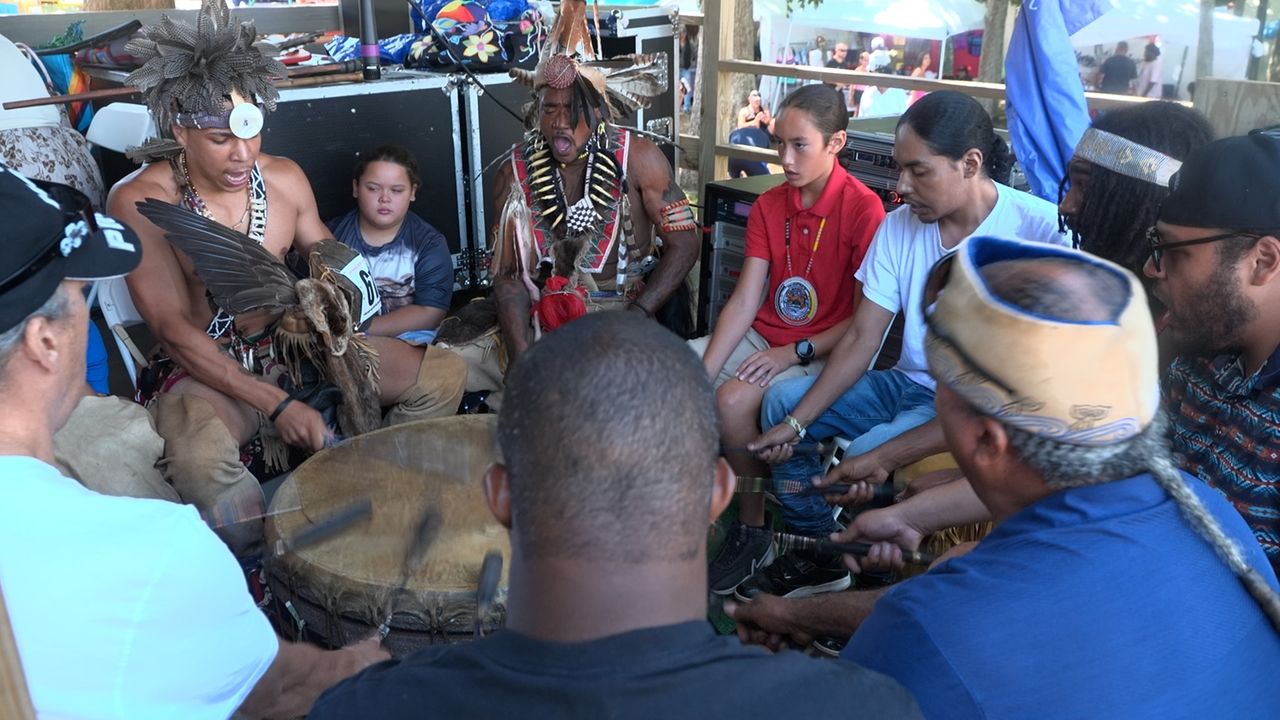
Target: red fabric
(559, 304)
(853, 214)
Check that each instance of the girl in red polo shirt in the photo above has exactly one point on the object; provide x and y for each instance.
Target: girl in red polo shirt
(793, 301)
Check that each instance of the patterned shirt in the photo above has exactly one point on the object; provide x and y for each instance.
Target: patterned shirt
(413, 269)
(1226, 431)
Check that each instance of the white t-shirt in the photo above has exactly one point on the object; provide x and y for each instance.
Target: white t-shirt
(879, 58)
(123, 607)
(1148, 73)
(891, 102)
(904, 250)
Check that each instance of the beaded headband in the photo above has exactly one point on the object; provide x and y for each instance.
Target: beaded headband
(1126, 157)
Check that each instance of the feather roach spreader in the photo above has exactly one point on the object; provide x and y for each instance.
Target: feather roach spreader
(316, 323)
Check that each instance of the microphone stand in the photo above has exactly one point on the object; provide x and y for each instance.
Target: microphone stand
(369, 52)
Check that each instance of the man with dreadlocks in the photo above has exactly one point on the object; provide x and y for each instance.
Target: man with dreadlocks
(205, 84)
(1119, 176)
(1113, 583)
(584, 198)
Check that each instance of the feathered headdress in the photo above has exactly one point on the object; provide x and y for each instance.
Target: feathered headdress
(193, 71)
(568, 56)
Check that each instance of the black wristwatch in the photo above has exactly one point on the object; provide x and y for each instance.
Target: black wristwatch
(805, 351)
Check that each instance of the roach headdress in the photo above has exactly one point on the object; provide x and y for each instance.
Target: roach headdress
(568, 57)
(202, 76)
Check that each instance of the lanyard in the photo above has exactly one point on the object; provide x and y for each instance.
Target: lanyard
(786, 234)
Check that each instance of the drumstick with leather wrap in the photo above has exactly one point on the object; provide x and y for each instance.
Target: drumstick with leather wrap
(796, 450)
(337, 523)
(424, 535)
(487, 587)
(787, 541)
(883, 493)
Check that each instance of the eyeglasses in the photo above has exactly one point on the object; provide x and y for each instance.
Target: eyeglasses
(1158, 248)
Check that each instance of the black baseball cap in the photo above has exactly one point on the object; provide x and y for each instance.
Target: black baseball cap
(51, 233)
(1229, 184)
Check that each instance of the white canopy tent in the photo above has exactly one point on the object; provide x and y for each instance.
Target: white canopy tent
(924, 19)
(927, 19)
(1177, 26)
(919, 19)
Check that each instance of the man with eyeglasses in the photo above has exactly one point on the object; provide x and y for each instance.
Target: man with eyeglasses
(1215, 263)
(1113, 583)
(840, 60)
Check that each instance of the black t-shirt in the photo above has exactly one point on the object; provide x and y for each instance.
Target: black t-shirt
(675, 671)
(1117, 71)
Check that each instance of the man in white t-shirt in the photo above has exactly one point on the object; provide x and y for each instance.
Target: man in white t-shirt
(120, 607)
(950, 159)
(1150, 73)
(880, 57)
(882, 102)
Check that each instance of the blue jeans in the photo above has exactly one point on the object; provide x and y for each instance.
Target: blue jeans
(418, 337)
(879, 407)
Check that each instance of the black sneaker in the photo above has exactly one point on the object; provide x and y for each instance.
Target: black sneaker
(745, 550)
(794, 575)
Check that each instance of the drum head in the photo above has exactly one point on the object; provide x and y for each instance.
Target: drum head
(353, 579)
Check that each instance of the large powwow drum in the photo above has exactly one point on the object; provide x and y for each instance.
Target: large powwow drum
(342, 589)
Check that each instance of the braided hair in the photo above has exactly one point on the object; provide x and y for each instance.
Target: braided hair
(1117, 210)
(1065, 465)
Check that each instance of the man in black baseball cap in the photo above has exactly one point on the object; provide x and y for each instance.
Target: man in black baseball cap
(132, 572)
(1215, 262)
(52, 235)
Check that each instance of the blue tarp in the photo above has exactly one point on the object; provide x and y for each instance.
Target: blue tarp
(1047, 112)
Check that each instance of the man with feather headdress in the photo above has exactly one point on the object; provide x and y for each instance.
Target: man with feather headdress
(258, 360)
(592, 216)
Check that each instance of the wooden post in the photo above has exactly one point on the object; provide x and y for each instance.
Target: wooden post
(717, 35)
(1234, 107)
(15, 702)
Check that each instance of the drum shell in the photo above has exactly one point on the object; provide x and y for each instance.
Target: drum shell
(340, 590)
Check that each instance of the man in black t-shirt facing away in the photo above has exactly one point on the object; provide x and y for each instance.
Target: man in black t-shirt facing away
(1118, 72)
(610, 476)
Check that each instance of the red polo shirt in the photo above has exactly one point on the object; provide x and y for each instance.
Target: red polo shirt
(853, 213)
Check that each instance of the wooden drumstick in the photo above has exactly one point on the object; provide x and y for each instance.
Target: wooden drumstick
(787, 541)
(796, 450)
(297, 77)
(884, 492)
(487, 587)
(335, 524)
(424, 535)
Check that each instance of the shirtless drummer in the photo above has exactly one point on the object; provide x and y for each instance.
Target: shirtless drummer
(208, 405)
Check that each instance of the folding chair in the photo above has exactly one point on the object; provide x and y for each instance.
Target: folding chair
(120, 314)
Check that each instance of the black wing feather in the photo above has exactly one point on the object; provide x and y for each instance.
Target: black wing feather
(241, 274)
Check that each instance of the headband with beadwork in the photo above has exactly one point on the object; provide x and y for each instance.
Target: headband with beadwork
(1126, 157)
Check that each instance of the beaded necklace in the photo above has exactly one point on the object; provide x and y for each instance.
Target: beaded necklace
(255, 204)
(255, 209)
